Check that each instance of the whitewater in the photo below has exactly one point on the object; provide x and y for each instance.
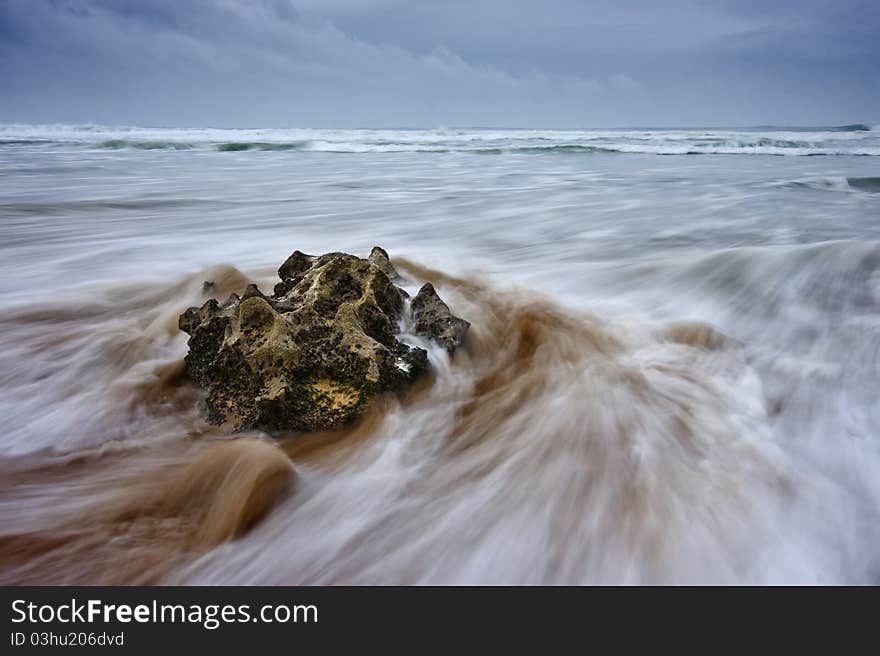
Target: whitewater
(672, 373)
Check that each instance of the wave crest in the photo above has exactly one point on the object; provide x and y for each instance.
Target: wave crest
(116, 144)
(237, 146)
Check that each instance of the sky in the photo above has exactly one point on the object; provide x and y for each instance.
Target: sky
(433, 63)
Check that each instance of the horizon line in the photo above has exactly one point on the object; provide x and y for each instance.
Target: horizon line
(869, 126)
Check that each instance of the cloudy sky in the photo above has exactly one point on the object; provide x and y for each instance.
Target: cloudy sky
(394, 63)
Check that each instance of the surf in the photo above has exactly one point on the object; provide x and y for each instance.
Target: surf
(670, 375)
(557, 446)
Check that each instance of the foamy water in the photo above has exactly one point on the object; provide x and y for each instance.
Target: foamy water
(672, 373)
(855, 139)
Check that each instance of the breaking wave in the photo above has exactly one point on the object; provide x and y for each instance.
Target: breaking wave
(857, 140)
(145, 145)
(235, 146)
(231, 146)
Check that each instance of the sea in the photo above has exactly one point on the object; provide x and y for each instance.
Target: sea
(672, 373)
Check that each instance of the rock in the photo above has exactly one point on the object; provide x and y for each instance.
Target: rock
(380, 258)
(292, 269)
(313, 355)
(433, 320)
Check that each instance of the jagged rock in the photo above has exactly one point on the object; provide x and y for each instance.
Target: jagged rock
(380, 258)
(433, 320)
(315, 353)
(291, 271)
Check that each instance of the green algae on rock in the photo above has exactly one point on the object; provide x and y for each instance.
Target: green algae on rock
(314, 354)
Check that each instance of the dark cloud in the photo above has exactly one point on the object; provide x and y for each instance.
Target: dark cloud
(558, 63)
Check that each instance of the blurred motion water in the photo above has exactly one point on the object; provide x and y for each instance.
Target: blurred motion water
(672, 373)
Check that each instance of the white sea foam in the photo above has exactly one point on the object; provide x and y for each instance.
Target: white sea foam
(478, 141)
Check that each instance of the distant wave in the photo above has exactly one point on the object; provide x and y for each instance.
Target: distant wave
(759, 146)
(536, 150)
(855, 127)
(764, 146)
(858, 139)
(144, 145)
(234, 146)
(865, 184)
(23, 142)
(230, 146)
(773, 143)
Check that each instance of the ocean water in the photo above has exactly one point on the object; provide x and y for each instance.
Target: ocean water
(672, 375)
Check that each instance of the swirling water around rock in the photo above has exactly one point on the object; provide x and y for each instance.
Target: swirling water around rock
(670, 373)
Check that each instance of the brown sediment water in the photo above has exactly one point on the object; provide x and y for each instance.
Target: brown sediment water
(142, 514)
(556, 446)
